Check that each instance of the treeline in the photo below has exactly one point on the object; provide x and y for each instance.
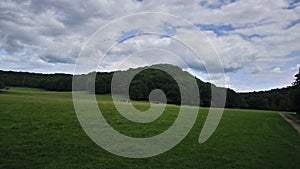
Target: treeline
(275, 99)
(147, 79)
(53, 82)
(284, 99)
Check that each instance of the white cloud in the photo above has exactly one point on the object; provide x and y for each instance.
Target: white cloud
(259, 42)
(277, 70)
(296, 68)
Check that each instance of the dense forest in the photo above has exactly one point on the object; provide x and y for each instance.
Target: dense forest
(149, 78)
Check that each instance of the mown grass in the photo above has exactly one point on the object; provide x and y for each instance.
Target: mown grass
(39, 129)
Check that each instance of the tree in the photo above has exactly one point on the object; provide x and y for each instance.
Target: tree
(297, 81)
(295, 93)
(2, 86)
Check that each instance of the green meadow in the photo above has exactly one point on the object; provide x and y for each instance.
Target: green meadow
(40, 129)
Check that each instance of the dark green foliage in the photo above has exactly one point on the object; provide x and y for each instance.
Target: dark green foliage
(103, 83)
(295, 94)
(233, 100)
(2, 85)
(55, 82)
(275, 99)
(149, 78)
(295, 99)
(205, 93)
(297, 80)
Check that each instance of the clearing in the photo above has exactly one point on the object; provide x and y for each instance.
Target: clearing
(39, 129)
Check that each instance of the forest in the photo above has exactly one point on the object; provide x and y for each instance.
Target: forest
(153, 77)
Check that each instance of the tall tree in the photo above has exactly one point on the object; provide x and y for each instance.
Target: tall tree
(297, 81)
(295, 94)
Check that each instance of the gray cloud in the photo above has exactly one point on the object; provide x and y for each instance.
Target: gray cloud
(249, 36)
(56, 59)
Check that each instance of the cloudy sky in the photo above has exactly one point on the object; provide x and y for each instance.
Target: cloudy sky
(257, 41)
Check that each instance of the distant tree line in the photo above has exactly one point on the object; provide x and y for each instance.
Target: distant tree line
(53, 82)
(146, 80)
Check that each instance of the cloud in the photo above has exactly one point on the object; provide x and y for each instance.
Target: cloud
(277, 70)
(255, 39)
(296, 68)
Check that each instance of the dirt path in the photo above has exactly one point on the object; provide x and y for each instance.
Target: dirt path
(292, 120)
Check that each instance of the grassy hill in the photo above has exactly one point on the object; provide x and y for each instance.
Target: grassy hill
(147, 80)
(39, 129)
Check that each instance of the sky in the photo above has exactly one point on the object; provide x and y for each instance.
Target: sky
(257, 41)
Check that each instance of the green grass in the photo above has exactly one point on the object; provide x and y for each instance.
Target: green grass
(39, 129)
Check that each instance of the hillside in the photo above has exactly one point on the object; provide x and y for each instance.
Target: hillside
(145, 81)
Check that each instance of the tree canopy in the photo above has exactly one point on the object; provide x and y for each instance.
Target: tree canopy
(150, 78)
(295, 94)
(297, 80)
(2, 85)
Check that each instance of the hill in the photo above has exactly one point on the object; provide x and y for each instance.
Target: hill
(147, 79)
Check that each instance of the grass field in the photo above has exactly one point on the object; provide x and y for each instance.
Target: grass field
(39, 129)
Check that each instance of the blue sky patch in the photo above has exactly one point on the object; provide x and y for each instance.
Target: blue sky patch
(129, 34)
(215, 5)
(3, 52)
(294, 53)
(293, 23)
(219, 30)
(250, 37)
(293, 4)
(169, 29)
